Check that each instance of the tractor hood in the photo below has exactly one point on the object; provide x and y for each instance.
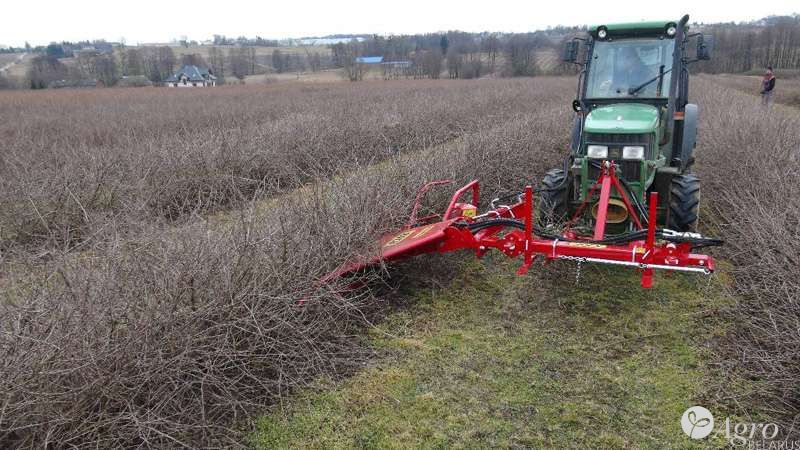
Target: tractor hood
(625, 118)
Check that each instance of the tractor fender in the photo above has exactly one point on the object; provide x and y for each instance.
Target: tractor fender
(689, 134)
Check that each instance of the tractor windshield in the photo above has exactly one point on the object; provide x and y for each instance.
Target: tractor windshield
(618, 68)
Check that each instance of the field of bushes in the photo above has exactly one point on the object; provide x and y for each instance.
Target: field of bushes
(750, 164)
(74, 161)
(130, 314)
(154, 244)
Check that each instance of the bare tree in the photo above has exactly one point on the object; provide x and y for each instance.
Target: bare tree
(193, 59)
(280, 61)
(239, 64)
(166, 61)
(104, 68)
(429, 63)
(251, 55)
(297, 62)
(491, 45)
(84, 61)
(353, 70)
(217, 60)
(44, 70)
(454, 63)
(315, 62)
(339, 53)
(520, 54)
(134, 64)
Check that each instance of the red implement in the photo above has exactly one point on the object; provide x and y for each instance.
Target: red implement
(511, 230)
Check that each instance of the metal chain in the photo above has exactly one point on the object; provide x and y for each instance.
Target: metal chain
(578, 272)
(708, 282)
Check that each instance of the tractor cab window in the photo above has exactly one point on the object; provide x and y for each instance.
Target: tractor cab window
(624, 68)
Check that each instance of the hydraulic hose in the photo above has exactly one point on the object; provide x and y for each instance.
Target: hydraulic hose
(666, 235)
(629, 191)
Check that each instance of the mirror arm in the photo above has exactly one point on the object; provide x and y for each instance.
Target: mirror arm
(577, 63)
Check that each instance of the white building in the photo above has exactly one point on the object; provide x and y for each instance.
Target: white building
(192, 76)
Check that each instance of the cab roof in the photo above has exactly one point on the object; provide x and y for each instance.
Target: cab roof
(650, 28)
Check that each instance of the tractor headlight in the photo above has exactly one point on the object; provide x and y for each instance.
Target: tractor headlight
(633, 152)
(602, 33)
(671, 31)
(597, 151)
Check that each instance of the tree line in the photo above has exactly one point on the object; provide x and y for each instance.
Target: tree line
(739, 48)
(742, 47)
(155, 64)
(773, 41)
(106, 68)
(464, 55)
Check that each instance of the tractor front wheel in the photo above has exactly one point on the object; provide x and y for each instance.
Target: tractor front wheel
(684, 203)
(554, 198)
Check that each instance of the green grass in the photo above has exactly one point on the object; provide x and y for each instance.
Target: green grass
(495, 360)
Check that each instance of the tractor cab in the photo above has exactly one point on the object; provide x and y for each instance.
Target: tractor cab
(630, 68)
(632, 114)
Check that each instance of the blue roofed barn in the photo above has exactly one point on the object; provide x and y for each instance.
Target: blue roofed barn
(369, 59)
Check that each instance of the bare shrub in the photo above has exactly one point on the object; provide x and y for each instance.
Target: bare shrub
(749, 162)
(72, 160)
(153, 325)
(175, 335)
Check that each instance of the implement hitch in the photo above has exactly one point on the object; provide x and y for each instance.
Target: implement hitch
(511, 230)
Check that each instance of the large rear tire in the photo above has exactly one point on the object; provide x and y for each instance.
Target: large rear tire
(684, 203)
(554, 198)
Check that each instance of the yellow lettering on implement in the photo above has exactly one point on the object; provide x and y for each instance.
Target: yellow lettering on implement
(399, 238)
(416, 233)
(423, 231)
(586, 245)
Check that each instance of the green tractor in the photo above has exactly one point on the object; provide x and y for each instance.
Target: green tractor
(632, 112)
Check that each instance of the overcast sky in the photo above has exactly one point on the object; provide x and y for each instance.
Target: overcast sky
(143, 21)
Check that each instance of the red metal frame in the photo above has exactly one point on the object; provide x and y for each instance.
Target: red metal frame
(475, 197)
(420, 236)
(412, 219)
(608, 178)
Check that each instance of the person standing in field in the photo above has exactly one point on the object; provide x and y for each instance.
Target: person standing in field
(767, 86)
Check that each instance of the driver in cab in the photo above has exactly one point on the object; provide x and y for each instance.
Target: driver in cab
(630, 72)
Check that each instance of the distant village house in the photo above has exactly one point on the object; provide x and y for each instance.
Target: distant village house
(192, 76)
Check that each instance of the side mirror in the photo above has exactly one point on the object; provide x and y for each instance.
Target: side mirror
(576, 106)
(705, 45)
(570, 53)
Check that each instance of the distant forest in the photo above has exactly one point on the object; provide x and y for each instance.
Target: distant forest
(774, 41)
(739, 48)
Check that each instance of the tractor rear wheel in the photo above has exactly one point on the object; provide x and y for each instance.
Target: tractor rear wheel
(684, 203)
(554, 198)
